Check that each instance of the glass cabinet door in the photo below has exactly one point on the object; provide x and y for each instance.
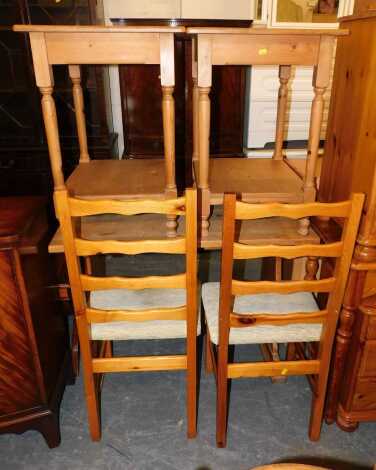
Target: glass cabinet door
(308, 13)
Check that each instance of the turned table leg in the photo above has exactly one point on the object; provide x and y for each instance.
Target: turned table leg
(167, 76)
(204, 136)
(284, 76)
(321, 79)
(168, 108)
(204, 81)
(79, 109)
(312, 267)
(195, 100)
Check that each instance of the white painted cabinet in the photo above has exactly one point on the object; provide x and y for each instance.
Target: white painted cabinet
(189, 9)
(264, 85)
(218, 9)
(143, 8)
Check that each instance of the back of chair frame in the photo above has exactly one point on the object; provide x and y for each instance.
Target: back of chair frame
(70, 210)
(342, 251)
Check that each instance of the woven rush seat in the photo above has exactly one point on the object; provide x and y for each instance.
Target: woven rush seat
(263, 303)
(125, 299)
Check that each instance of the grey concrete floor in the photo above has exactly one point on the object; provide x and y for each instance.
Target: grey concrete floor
(144, 424)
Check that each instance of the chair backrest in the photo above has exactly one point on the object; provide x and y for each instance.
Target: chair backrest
(71, 209)
(342, 251)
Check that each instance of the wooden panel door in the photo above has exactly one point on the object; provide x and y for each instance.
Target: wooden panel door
(142, 115)
(20, 388)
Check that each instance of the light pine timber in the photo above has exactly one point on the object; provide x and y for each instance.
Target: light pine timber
(264, 369)
(281, 287)
(78, 100)
(90, 283)
(107, 316)
(251, 252)
(328, 318)
(140, 364)
(284, 47)
(83, 207)
(246, 211)
(95, 247)
(72, 46)
(284, 76)
(245, 320)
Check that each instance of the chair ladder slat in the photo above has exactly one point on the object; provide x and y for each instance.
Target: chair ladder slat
(106, 316)
(282, 287)
(84, 207)
(245, 320)
(270, 369)
(139, 364)
(245, 211)
(91, 283)
(242, 251)
(94, 247)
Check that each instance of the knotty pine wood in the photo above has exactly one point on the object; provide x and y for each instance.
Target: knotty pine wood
(349, 165)
(95, 363)
(256, 180)
(277, 231)
(130, 179)
(220, 46)
(108, 316)
(319, 366)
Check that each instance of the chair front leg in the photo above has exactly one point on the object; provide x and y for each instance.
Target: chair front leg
(222, 395)
(192, 387)
(91, 389)
(209, 366)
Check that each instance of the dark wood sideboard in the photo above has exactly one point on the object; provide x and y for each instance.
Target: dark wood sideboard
(349, 165)
(142, 98)
(24, 162)
(35, 362)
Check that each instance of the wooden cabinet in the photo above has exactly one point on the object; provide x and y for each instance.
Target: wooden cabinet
(24, 164)
(142, 114)
(349, 165)
(364, 7)
(34, 342)
(357, 401)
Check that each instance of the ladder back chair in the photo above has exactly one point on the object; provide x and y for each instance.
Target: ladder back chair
(130, 308)
(257, 179)
(98, 45)
(266, 312)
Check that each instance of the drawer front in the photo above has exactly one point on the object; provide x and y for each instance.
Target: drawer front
(365, 395)
(368, 364)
